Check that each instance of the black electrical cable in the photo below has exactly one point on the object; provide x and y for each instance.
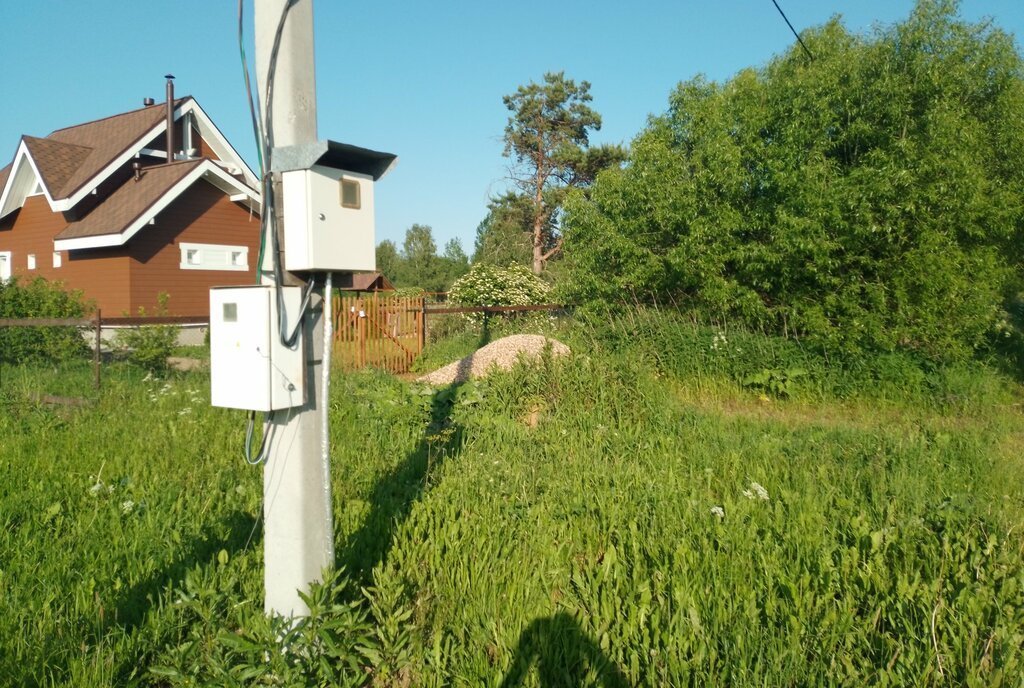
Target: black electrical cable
(257, 130)
(264, 148)
(253, 112)
(269, 216)
(802, 45)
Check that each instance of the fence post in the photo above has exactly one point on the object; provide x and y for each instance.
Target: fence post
(361, 324)
(423, 324)
(96, 352)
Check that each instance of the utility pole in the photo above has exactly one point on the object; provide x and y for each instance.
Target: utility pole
(297, 515)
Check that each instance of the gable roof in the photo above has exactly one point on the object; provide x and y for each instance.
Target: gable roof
(71, 162)
(4, 174)
(127, 203)
(365, 281)
(105, 139)
(57, 162)
(130, 207)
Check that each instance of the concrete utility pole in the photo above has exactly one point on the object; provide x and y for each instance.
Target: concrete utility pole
(298, 521)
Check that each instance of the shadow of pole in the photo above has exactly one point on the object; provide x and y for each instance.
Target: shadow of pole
(564, 655)
(395, 494)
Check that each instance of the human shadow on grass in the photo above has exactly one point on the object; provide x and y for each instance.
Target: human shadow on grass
(564, 655)
(396, 492)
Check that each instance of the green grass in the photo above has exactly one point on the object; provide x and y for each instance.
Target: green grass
(555, 525)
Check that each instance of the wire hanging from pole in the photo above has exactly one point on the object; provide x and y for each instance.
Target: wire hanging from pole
(802, 44)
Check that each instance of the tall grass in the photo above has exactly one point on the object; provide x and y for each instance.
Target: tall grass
(636, 514)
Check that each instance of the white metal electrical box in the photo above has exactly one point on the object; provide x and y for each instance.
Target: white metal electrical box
(328, 205)
(328, 220)
(250, 367)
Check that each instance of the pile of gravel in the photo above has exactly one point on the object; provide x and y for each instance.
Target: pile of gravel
(501, 354)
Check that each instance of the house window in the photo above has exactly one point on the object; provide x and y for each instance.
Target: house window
(350, 194)
(57, 261)
(31, 261)
(213, 257)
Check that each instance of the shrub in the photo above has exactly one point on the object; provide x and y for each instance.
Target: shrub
(39, 298)
(866, 200)
(490, 285)
(150, 345)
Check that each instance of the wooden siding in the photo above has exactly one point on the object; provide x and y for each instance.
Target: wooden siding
(102, 274)
(202, 147)
(204, 215)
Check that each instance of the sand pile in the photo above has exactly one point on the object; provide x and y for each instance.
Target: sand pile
(501, 354)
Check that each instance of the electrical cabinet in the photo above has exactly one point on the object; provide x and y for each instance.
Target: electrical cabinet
(328, 205)
(328, 220)
(250, 367)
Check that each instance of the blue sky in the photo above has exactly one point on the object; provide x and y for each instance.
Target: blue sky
(422, 80)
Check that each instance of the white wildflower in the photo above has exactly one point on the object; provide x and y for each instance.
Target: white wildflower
(127, 506)
(718, 511)
(185, 411)
(756, 491)
(96, 488)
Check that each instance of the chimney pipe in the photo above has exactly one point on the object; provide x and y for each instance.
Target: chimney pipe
(148, 102)
(170, 117)
(137, 170)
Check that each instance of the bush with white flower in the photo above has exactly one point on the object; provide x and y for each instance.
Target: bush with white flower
(490, 285)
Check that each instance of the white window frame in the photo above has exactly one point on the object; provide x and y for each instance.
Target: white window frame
(30, 262)
(214, 257)
(8, 265)
(58, 259)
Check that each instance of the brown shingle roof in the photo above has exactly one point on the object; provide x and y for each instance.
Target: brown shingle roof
(365, 281)
(125, 205)
(106, 139)
(4, 174)
(55, 161)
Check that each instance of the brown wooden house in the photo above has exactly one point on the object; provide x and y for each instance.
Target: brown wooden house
(102, 207)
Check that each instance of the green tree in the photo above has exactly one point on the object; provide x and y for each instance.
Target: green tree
(503, 237)
(871, 197)
(454, 263)
(388, 260)
(419, 258)
(454, 252)
(548, 136)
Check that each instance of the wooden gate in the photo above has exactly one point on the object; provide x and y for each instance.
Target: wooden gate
(378, 331)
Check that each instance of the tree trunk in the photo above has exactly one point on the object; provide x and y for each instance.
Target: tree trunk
(538, 223)
(538, 247)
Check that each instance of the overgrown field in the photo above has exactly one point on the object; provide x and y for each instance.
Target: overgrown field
(672, 505)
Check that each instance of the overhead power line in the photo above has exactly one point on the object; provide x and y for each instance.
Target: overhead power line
(802, 44)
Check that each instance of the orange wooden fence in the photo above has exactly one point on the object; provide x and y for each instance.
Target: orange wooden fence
(385, 332)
